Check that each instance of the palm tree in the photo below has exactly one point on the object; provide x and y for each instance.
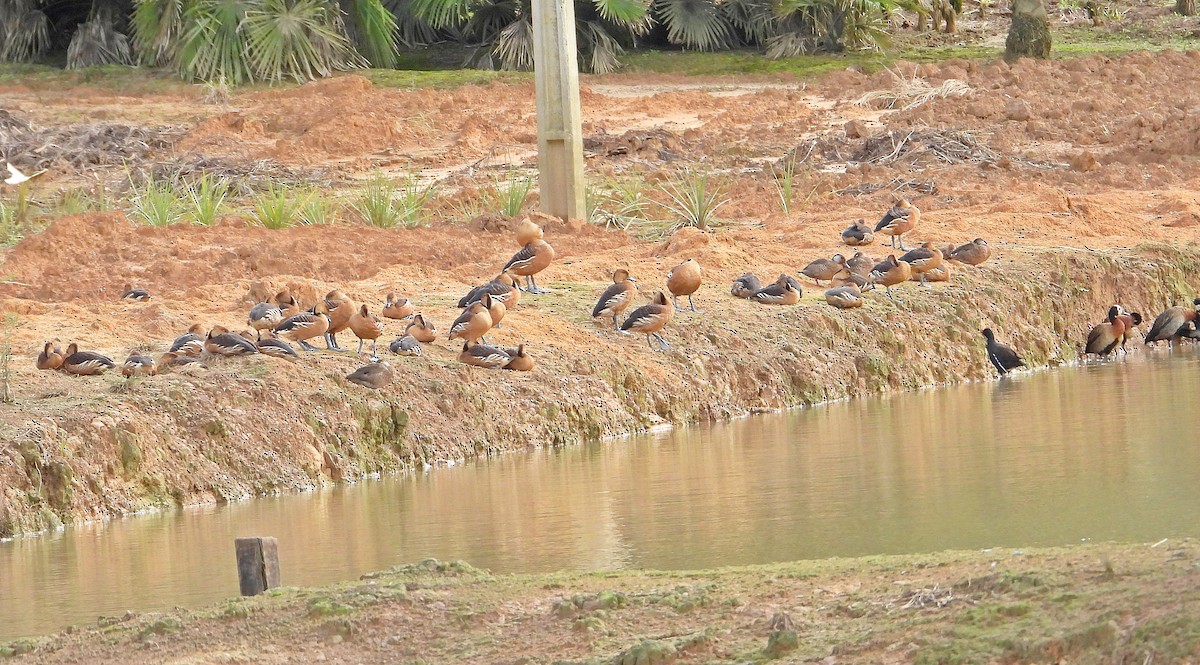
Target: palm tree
(1029, 34)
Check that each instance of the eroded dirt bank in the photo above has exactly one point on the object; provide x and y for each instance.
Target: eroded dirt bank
(1087, 604)
(1082, 175)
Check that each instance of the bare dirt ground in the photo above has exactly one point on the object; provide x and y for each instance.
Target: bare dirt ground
(1082, 174)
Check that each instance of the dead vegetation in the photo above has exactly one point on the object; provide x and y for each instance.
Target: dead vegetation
(83, 147)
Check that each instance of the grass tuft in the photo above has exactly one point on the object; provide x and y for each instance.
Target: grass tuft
(693, 199)
(278, 207)
(207, 198)
(156, 204)
(384, 205)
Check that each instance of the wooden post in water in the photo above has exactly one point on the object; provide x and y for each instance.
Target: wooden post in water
(258, 564)
(560, 133)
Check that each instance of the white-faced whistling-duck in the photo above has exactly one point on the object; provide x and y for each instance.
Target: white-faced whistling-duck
(375, 376)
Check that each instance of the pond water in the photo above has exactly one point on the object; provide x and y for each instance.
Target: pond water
(1101, 452)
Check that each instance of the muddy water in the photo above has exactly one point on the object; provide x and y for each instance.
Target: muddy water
(1100, 452)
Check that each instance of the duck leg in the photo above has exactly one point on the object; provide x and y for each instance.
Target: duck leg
(360, 343)
(923, 283)
(533, 287)
(616, 328)
(374, 351)
(675, 302)
(692, 305)
(648, 343)
(331, 343)
(893, 242)
(888, 291)
(305, 345)
(662, 343)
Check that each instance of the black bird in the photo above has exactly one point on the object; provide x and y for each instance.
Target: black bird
(1002, 357)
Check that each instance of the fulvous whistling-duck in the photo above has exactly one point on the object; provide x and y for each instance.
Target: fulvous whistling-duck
(272, 346)
(519, 359)
(421, 330)
(340, 309)
(397, 308)
(898, 220)
(483, 355)
(131, 293)
(405, 346)
(85, 363)
(495, 308)
(972, 253)
(684, 280)
(366, 325)
(138, 365)
(472, 324)
(923, 259)
(890, 272)
(858, 234)
(221, 342)
(649, 319)
(844, 297)
(1003, 358)
(785, 291)
(745, 286)
(374, 376)
(860, 264)
(305, 326)
(190, 343)
(528, 231)
(533, 258)
(289, 306)
(264, 316)
(1130, 321)
(825, 269)
(503, 288)
(863, 283)
(938, 274)
(172, 359)
(616, 297)
(1105, 337)
(51, 357)
(1167, 325)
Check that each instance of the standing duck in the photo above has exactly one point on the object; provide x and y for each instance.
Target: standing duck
(825, 269)
(1167, 325)
(784, 291)
(495, 308)
(221, 342)
(1105, 337)
(340, 309)
(375, 376)
(305, 326)
(503, 287)
(858, 234)
(138, 365)
(397, 308)
(366, 325)
(132, 293)
(533, 258)
(890, 272)
(1003, 358)
(860, 264)
(650, 319)
(51, 357)
(472, 324)
(85, 363)
(405, 346)
(898, 220)
(844, 297)
(745, 286)
(972, 253)
(190, 343)
(616, 298)
(483, 355)
(265, 316)
(420, 329)
(1131, 321)
(923, 259)
(684, 280)
(519, 359)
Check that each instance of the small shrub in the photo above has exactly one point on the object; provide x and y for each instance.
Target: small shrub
(11, 229)
(693, 199)
(384, 205)
(318, 209)
(514, 194)
(623, 206)
(278, 207)
(156, 204)
(206, 197)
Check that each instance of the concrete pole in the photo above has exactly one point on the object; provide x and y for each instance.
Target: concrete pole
(560, 136)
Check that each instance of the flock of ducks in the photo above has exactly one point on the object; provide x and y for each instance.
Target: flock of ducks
(274, 326)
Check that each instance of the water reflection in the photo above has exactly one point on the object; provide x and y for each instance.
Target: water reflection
(1101, 452)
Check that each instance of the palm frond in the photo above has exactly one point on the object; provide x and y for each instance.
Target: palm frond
(490, 17)
(297, 39)
(411, 30)
(754, 19)
(598, 50)
(628, 12)
(442, 13)
(24, 31)
(514, 46)
(697, 24)
(374, 32)
(156, 26)
(97, 42)
(212, 48)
